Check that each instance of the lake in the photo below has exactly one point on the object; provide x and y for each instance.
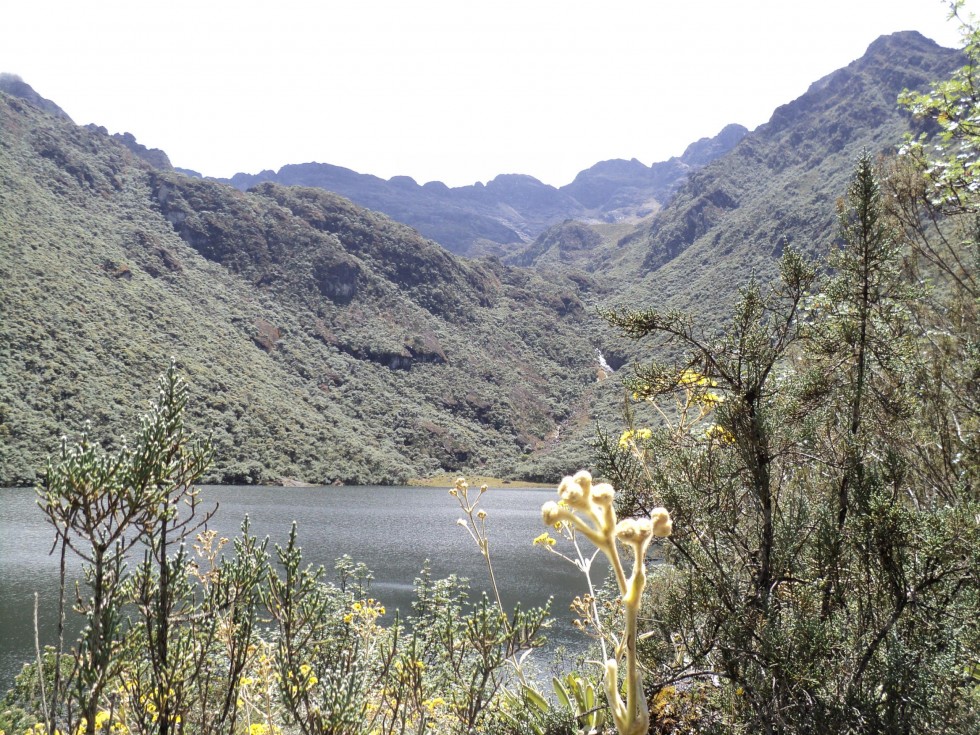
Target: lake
(393, 530)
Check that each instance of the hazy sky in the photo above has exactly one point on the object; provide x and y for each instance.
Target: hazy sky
(451, 90)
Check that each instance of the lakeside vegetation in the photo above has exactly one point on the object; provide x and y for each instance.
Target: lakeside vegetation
(817, 448)
(477, 480)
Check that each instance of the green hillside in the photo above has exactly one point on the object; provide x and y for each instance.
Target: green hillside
(322, 342)
(327, 343)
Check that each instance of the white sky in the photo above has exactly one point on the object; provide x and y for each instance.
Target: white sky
(451, 90)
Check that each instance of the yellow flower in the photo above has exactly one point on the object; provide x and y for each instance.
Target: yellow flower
(433, 704)
(544, 539)
(710, 399)
(630, 436)
(719, 434)
(692, 378)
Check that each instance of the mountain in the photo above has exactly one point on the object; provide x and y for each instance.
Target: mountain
(326, 342)
(321, 341)
(15, 86)
(621, 190)
(777, 187)
(510, 210)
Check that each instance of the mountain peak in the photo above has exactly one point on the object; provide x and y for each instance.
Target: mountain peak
(704, 151)
(13, 85)
(903, 41)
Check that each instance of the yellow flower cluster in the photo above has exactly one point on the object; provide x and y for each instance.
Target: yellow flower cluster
(693, 379)
(305, 681)
(544, 539)
(433, 705)
(630, 437)
(366, 611)
(710, 399)
(262, 728)
(103, 723)
(697, 386)
(719, 435)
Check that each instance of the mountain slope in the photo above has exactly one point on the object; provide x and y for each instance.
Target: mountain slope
(328, 343)
(778, 187)
(321, 341)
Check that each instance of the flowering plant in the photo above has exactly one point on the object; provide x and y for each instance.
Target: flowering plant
(587, 508)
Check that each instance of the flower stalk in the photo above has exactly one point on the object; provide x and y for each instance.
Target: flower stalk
(588, 509)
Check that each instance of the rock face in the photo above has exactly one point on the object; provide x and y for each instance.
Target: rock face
(503, 215)
(622, 190)
(153, 156)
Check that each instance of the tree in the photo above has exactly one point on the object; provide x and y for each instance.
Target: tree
(814, 568)
(102, 506)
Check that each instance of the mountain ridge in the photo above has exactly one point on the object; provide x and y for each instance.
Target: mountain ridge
(510, 210)
(775, 188)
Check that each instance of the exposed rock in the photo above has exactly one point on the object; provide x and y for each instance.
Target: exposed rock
(267, 335)
(153, 156)
(426, 348)
(293, 482)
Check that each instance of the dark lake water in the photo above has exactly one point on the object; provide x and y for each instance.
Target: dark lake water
(393, 530)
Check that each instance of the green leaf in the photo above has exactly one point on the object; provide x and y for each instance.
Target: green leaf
(561, 692)
(534, 697)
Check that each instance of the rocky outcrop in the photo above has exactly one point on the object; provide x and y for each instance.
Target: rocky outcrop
(153, 156)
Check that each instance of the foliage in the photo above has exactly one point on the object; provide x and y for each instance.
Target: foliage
(824, 567)
(950, 160)
(177, 645)
(102, 507)
(300, 320)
